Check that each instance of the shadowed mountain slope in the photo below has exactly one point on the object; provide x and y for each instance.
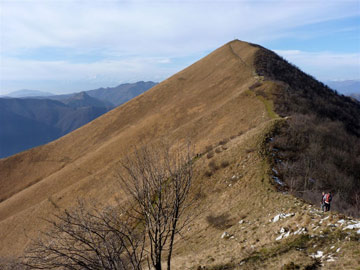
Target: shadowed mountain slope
(26, 123)
(225, 108)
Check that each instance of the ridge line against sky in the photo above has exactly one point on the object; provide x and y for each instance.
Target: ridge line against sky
(66, 46)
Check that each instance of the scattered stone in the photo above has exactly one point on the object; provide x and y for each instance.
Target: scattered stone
(282, 216)
(341, 221)
(278, 181)
(352, 226)
(330, 259)
(241, 221)
(319, 254)
(225, 235)
(338, 250)
(302, 230)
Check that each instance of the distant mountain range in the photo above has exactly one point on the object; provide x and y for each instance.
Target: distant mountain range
(28, 93)
(31, 121)
(347, 87)
(356, 96)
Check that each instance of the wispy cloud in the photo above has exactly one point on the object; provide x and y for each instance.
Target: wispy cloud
(325, 65)
(117, 38)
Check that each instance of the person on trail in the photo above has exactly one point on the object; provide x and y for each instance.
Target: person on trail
(322, 202)
(327, 201)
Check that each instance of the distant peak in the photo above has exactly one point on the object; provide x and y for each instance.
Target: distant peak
(82, 94)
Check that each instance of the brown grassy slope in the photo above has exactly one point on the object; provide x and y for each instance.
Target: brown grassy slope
(239, 199)
(205, 102)
(218, 97)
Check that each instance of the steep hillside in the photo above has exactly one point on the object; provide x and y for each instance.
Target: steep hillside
(319, 146)
(225, 108)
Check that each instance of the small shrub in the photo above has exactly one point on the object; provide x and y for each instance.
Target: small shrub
(224, 141)
(208, 173)
(210, 154)
(217, 150)
(213, 166)
(290, 266)
(208, 148)
(255, 85)
(219, 222)
(225, 163)
(232, 137)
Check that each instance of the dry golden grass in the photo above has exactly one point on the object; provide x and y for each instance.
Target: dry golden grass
(208, 103)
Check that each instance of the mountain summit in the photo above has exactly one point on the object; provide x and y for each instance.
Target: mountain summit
(235, 105)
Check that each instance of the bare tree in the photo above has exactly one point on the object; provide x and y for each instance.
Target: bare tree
(159, 181)
(88, 239)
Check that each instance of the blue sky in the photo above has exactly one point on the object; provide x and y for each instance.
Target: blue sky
(73, 45)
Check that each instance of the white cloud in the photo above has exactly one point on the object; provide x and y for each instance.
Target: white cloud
(155, 28)
(146, 34)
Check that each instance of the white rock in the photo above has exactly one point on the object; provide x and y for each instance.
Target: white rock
(241, 221)
(300, 231)
(332, 247)
(276, 218)
(338, 250)
(282, 230)
(341, 221)
(287, 234)
(281, 216)
(358, 232)
(319, 254)
(351, 227)
(225, 235)
(279, 237)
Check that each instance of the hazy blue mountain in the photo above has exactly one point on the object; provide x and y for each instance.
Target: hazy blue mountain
(31, 121)
(121, 93)
(26, 123)
(114, 96)
(356, 96)
(82, 99)
(28, 93)
(18, 133)
(345, 87)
